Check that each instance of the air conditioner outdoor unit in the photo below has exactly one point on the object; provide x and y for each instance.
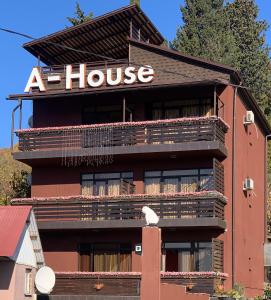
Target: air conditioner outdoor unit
(248, 184)
(249, 118)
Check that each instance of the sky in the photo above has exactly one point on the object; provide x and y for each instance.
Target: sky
(39, 18)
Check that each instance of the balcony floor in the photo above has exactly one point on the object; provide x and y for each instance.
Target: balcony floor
(215, 148)
(193, 223)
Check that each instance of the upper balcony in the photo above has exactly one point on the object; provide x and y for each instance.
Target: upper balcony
(92, 144)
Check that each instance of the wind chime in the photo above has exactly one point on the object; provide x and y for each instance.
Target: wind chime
(94, 143)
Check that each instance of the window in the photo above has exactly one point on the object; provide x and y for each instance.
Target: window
(174, 181)
(101, 184)
(187, 257)
(181, 109)
(103, 114)
(28, 282)
(105, 258)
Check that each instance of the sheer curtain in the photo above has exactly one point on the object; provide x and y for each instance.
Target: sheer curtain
(184, 261)
(189, 184)
(114, 187)
(101, 188)
(171, 185)
(87, 188)
(152, 186)
(125, 262)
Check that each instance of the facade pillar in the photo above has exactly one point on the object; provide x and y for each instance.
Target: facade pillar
(151, 263)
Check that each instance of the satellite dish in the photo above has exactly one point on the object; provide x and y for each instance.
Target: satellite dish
(45, 280)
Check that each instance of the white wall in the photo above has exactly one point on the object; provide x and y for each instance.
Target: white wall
(24, 252)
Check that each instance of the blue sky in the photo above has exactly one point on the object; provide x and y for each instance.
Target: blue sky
(39, 18)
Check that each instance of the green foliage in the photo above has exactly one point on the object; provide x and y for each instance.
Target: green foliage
(237, 292)
(80, 16)
(206, 32)
(233, 35)
(20, 184)
(254, 60)
(267, 292)
(137, 2)
(8, 166)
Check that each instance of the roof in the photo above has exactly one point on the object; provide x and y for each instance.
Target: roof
(13, 220)
(105, 35)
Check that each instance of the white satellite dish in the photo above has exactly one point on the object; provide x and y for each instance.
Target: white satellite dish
(45, 280)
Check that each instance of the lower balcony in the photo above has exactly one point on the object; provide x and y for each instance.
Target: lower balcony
(128, 284)
(198, 209)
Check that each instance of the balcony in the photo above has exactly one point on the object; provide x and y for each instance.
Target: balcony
(200, 209)
(92, 144)
(128, 284)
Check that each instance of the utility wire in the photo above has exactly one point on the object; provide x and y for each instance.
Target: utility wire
(107, 57)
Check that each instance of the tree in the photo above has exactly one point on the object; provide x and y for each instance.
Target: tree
(20, 184)
(254, 60)
(137, 2)
(8, 166)
(80, 16)
(206, 32)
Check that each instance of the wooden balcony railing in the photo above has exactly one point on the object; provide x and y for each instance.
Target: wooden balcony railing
(128, 284)
(110, 136)
(188, 207)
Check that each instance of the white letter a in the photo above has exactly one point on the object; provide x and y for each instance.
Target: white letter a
(35, 81)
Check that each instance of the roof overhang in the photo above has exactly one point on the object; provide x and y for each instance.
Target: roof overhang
(104, 36)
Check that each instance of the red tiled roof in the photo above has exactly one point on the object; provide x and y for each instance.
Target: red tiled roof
(12, 222)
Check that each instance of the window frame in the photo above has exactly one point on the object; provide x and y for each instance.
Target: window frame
(91, 249)
(94, 180)
(200, 174)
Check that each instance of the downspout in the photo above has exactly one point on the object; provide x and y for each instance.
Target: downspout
(266, 189)
(233, 183)
(12, 122)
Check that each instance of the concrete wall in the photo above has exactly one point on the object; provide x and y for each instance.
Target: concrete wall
(61, 181)
(12, 281)
(247, 213)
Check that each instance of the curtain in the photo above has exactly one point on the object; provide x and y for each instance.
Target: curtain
(152, 186)
(190, 111)
(189, 184)
(184, 261)
(98, 262)
(111, 262)
(157, 114)
(101, 188)
(171, 185)
(172, 113)
(125, 262)
(113, 187)
(87, 188)
(204, 260)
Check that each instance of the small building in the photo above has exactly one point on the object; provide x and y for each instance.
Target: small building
(20, 252)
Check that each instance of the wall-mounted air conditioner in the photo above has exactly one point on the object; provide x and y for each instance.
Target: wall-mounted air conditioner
(249, 117)
(248, 184)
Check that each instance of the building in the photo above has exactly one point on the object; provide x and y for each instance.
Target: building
(20, 252)
(125, 122)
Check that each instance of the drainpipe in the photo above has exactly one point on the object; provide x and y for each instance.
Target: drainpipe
(12, 122)
(233, 183)
(266, 189)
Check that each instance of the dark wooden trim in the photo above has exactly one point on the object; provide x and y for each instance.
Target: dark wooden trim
(107, 90)
(114, 224)
(202, 146)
